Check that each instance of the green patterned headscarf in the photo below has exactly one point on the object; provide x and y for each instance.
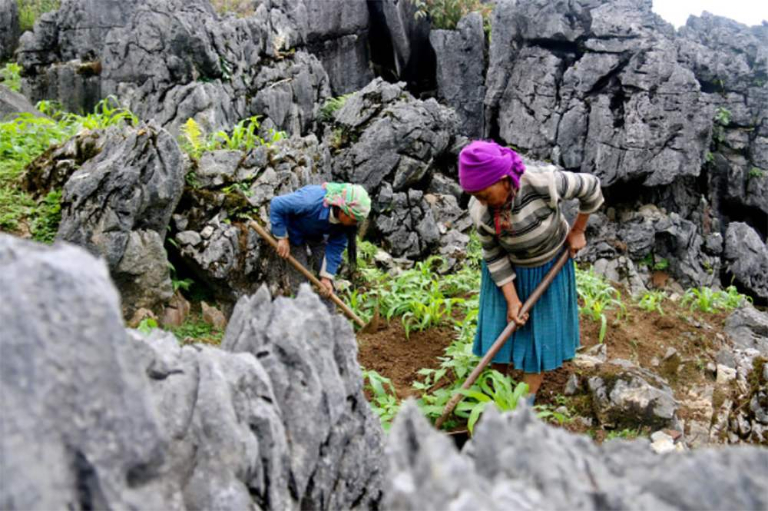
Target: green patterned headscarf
(351, 199)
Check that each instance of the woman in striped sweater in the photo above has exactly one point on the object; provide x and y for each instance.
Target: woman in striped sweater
(522, 230)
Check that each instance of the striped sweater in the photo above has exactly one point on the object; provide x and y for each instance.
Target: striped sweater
(539, 228)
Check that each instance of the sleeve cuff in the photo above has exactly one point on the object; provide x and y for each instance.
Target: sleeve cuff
(278, 237)
(589, 211)
(505, 280)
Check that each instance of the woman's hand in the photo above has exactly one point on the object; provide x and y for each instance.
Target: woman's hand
(326, 290)
(283, 248)
(576, 241)
(513, 313)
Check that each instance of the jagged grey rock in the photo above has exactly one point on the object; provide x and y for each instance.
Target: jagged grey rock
(118, 204)
(460, 56)
(9, 28)
(79, 428)
(172, 60)
(12, 103)
(213, 240)
(334, 440)
(406, 222)
(581, 82)
(624, 394)
(747, 328)
(387, 135)
(516, 461)
(130, 420)
(746, 257)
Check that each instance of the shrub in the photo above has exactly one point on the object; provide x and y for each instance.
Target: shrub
(11, 74)
(446, 14)
(31, 10)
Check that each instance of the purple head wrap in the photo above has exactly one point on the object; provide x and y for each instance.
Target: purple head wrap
(482, 164)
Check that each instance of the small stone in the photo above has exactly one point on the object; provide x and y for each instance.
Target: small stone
(725, 374)
(213, 316)
(139, 316)
(663, 444)
(711, 369)
(207, 231)
(189, 238)
(573, 385)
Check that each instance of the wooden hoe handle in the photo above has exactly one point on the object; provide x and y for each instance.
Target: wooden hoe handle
(511, 327)
(314, 280)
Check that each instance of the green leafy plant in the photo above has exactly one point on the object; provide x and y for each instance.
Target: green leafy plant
(243, 137)
(384, 401)
(494, 388)
(651, 301)
(756, 173)
(31, 10)
(446, 14)
(624, 434)
(11, 74)
(656, 264)
(598, 297)
(708, 300)
(331, 105)
(196, 330)
(147, 325)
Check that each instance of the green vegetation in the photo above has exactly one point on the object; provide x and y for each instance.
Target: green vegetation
(384, 401)
(655, 264)
(240, 8)
(598, 297)
(651, 301)
(25, 138)
(196, 330)
(331, 105)
(624, 434)
(11, 74)
(755, 173)
(243, 137)
(722, 120)
(31, 10)
(446, 14)
(708, 300)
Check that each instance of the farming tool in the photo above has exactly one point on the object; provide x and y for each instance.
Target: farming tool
(509, 330)
(371, 326)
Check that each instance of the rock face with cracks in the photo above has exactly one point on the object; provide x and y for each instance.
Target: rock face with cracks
(747, 258)
(9, 28)
(515, 461)
(276, 420)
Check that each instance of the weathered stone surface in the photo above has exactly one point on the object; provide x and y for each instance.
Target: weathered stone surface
(334, 440)
(461, 71)
(79, 428)
(624, 394)
(228, 187)
(118, 204)
(746, 258)
(9, 28)
(582, 82)
(13, 103)
(133, 421)
(405, 222)
(171, 60)
(747, 328)
(387, 135)
(515, 461)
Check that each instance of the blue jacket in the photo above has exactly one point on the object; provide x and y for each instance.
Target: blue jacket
(302, 216)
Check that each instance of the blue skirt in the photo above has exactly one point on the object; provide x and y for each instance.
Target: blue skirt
(551, 334)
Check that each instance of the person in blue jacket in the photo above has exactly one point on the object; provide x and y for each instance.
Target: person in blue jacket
(323, 219)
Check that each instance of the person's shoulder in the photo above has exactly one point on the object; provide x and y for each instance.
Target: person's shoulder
(539, 177)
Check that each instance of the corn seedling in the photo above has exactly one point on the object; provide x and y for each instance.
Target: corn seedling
(708, 300)
(384, 402)
(598, 297)
(651, 301)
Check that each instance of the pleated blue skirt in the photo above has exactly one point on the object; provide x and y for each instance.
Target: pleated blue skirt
(551, 334)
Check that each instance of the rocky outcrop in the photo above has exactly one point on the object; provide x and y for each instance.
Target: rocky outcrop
(746, 257)
(12, 103)
(517, 462)
(171, 60)
(460, 56)
(227, 188)
(583, 83)
(80, 430)
(9, 28)
(277, 420)
(748, 329)
(624, 395)
(118, 203)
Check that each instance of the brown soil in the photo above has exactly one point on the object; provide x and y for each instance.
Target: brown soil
(390, 354)
(639, 336)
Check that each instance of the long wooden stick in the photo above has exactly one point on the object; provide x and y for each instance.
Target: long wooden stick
(511, 327)
(314, 280)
